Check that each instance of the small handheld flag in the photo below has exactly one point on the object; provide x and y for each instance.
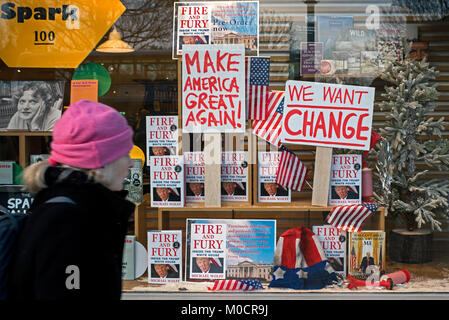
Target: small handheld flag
(270, 129)
(292, 172)
(257, 87)
(352, 217)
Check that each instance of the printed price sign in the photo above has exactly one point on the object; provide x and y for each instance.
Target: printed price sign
(327, 115)
(53, 33)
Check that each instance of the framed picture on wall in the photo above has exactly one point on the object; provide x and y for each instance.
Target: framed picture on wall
(30, 105)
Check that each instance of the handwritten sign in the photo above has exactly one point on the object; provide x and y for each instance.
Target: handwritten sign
(327, 115)
(213, 88)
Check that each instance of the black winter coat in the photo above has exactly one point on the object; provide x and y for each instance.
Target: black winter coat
(63, 244)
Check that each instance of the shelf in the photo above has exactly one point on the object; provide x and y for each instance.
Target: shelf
(18, 133)
(362, 75)
(24, 146)
(295, 210)
(227, 206)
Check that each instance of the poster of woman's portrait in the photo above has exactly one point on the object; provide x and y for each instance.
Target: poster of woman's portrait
(30, 105)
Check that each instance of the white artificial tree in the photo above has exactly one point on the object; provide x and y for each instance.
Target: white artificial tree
(415, 145)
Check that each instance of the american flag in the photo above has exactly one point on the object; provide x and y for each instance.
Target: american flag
(257, 84)
(351, 217)
(236, 285)
(270, 129)
(292, 172)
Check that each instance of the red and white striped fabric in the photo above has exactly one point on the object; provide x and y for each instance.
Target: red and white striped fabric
(292, 172)
(352, 217)
(271, 128)
(298, 248)
(236, 285)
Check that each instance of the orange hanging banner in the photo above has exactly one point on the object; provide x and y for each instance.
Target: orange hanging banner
(53, 33)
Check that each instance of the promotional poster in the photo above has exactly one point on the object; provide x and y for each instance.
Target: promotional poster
(311, 54)
(216, 22)
(250, 246)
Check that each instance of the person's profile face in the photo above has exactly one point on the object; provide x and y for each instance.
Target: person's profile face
(161, 269)
(188, 39)
(203, 264)
(271, 188)
(341, 191)
(28, 105)
(121, 171)
(163, 193)
(158, 151)
(196, 188)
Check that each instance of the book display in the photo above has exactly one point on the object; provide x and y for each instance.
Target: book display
(283, 145)
(316, 114)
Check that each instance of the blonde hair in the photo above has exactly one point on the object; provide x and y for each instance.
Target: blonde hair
(33, 176)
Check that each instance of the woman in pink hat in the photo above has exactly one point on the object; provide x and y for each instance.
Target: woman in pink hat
(71, 245)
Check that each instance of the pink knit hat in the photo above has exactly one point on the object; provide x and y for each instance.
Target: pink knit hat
(90, 135)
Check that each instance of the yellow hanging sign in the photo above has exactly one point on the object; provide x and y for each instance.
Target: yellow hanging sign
(53, 33)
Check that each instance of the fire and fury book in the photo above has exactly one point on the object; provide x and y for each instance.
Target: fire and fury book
(162, 135)
(334, 242)
(164, 256)
(346, 180)
(234, 176)
(167, 181)
(267, 188)
(194, 168)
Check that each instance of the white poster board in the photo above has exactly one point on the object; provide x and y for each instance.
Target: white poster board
(327, 115)
(213, 89)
